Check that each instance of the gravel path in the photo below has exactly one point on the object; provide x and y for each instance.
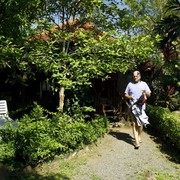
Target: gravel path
(114, 158)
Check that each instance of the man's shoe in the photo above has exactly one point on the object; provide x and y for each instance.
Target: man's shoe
(136, 146)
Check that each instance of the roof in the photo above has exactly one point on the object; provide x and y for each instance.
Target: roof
(73, 26)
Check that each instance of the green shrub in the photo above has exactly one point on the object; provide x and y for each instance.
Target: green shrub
(34, 142)
(74, 133)
(39, 137)
(166, 122)
(67, 131)
(7, 152)
(7, 139)
(95, 129)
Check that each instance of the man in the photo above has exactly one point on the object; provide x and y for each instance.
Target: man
(133, 92)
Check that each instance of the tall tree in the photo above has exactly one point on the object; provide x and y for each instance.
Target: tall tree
(74, 58)
(76, 51)
(143, 14)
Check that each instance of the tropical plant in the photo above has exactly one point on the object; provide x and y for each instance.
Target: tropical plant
(168, 30)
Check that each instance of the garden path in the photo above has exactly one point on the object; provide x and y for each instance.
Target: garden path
(114, 158)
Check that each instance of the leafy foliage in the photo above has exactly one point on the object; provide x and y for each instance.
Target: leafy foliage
(76, 58)
(142, 14)
(166, 123)
(166, 85)
(39, 137)
(16, 17)
(72, 54)
(7, 137)
(168, 29)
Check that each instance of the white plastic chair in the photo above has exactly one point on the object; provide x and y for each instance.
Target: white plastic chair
(3, 109)
(4, 117)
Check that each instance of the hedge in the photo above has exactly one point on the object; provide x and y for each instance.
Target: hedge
(167, 123)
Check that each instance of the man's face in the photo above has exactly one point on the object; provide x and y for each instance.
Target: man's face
(136, 76)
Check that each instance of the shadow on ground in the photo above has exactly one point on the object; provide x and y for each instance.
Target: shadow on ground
(173, 154)
(122, 136)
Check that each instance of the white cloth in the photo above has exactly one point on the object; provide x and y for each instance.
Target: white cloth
(139, 113)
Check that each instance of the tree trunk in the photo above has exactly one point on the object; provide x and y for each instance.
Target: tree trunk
(61, 99)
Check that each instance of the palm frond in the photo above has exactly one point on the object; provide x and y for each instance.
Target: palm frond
(173, 5)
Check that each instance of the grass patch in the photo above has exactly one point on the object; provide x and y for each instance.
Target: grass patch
(158, 175)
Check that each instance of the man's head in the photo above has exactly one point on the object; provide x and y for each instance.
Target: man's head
(136, 76)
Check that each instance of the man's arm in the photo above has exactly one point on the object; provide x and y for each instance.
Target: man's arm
(127, 96)
(147, 90)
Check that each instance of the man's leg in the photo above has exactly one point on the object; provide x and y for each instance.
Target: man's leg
(135, 129)
(140, 130)
(135, 133)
